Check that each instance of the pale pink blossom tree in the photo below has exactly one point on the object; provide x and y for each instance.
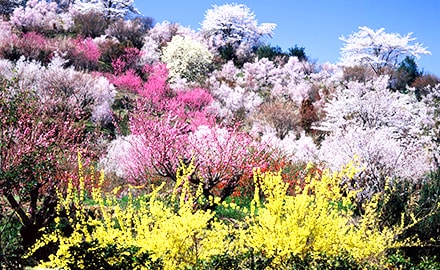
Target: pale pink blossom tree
(223, 157)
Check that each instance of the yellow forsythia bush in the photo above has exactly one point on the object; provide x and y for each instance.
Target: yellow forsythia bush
(318, 220)
(149, 233)
(146, 233)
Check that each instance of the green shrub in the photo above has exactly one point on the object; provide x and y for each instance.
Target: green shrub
(421, 203)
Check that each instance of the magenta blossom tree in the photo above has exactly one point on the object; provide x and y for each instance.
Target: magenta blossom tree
(169, 128)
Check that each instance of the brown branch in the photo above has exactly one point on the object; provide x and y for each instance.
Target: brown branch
(14, 204)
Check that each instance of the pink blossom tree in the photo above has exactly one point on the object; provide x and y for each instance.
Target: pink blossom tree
(127, 80)
(223, 157)
(85, 54)
(32, 45)
(170, 127)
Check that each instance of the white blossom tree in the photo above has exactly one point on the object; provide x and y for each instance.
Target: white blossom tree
(234, 27)
(95, 94)
(40, 16)
(159, 36)
(241, 93)
(432, 118)
(112, 9)
(187, 58)
(385, 130)
(378, 50)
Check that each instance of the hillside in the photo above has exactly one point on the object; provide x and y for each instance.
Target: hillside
(88, 86)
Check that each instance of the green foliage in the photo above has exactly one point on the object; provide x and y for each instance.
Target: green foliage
(10, 245)
(227, 53)
(405, 75)
(270, 52)
(252, 260)
(273, 52)
(399, 261)
(129, 258)
(419, 202)
(298, 52)
(428, 207)
(234, 209)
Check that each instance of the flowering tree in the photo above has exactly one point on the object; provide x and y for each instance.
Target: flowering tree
(127, 61)
(32, 45)
(85, 54)
(233, 31)
(233, 100)
(112, 9)
(187, 58)
(39, 139)
(432, 102)
(191, 105)
(296, 87)
(170, 127)
(163, 32)
(223, 157)
(378, 50)
(155, 92)
(385, 130)
(158, 37)
(158, 148)
(41, 16)
(129, 32)
(93, 93)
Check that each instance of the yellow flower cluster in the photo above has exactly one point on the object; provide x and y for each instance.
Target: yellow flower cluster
(319, 219)
(175, 237)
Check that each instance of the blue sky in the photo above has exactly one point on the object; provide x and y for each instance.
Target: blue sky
(318, 24)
